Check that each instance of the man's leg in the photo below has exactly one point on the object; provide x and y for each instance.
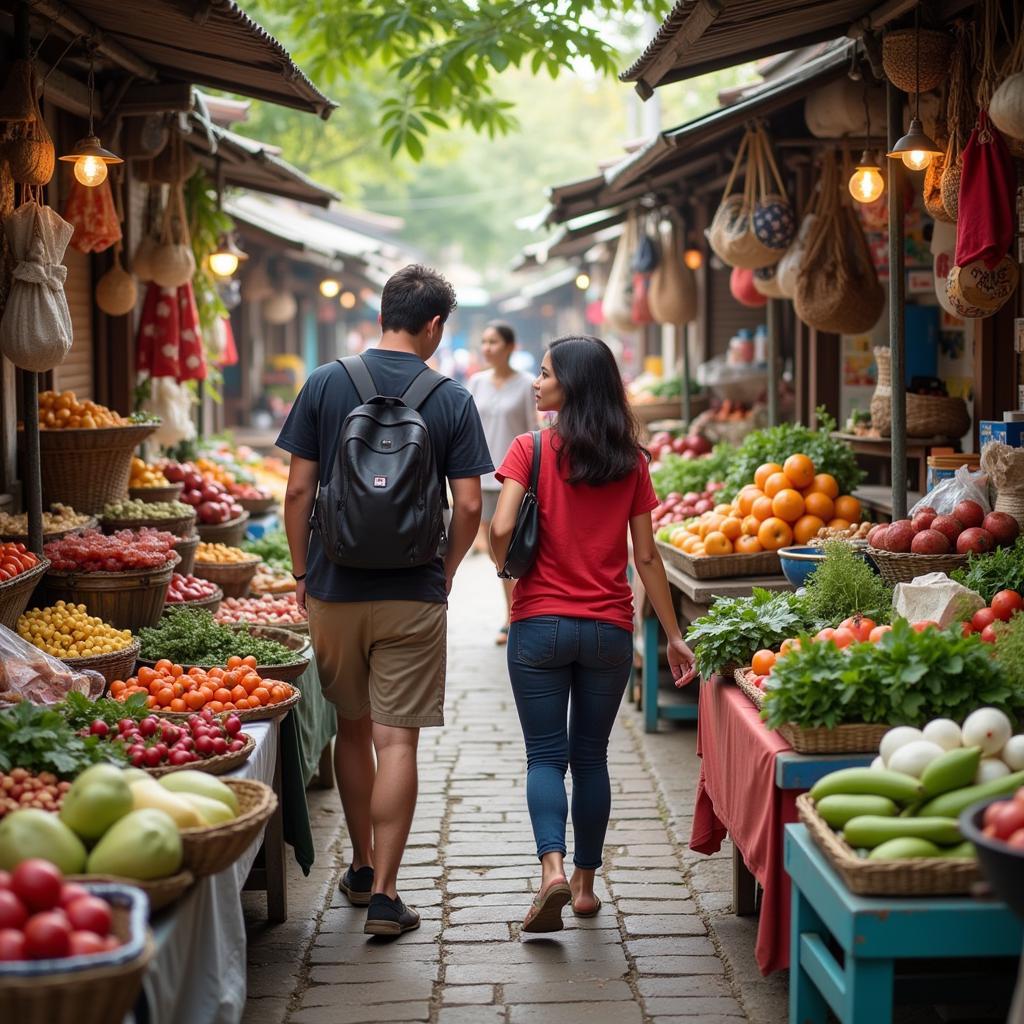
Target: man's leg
(394, 801)
(355, 770)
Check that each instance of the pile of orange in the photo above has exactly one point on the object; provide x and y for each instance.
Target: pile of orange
(235, 688)
(784, 505)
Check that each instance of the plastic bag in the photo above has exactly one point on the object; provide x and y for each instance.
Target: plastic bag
(934, 597)
(26, 673)
(947, 494)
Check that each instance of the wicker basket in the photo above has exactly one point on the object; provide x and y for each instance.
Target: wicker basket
(169, 493)
(260, 714)
(754, 693)
(186, 549)
(91, 524)
(937, 416)
(915, 876)
(88, 469)
(904, 566)
(80, 990)
(161, 892)
(709, 567)
(231, 533)
(131, 600)
(901, 64)
(233, 578)
(257, 506)
(182, 526)
(16, 593)
(211, 604)
(212, 849)
(118, 665)
(219, 764)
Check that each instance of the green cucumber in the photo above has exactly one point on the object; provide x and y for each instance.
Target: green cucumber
(949, 805)
(839, 808)
(904, 789)
(903, 848)
(872, 830)
(964, 850)
(911, 809)
(953, 770)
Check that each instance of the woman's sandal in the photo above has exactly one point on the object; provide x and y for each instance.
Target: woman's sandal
(546, 913)
(588, 913)
(502, 638)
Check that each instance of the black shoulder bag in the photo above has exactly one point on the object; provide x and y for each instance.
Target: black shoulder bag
(522, 548)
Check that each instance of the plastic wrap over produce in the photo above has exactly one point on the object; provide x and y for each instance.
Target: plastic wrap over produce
(26, 673)
(172, 402)
(934, 597)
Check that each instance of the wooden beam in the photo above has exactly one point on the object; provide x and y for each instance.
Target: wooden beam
(696, 24)
(156, 99)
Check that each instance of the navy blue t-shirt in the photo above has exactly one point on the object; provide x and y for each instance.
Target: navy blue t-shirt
(312, 431)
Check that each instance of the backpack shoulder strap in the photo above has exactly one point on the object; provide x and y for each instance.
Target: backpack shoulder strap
(423, 385)
(355, 367)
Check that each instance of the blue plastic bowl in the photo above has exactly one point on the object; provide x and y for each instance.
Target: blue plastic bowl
(799, 561)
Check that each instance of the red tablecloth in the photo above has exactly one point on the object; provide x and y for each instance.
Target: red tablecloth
(736, 795)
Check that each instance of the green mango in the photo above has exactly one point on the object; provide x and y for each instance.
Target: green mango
(903, 848)
(953, 770)
(213, 812)
(35, 833)
(202, 783)
(144, 845)
(96, 799)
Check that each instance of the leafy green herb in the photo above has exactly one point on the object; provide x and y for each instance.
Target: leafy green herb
(844, 584)
(736, 627)
(272, 548)
(671, 387)
(189, 636)
(39, 739)
(682, 475)
(80, 712)
(1009, 648)
(776, 444)
(1002, 569)
(907, 678)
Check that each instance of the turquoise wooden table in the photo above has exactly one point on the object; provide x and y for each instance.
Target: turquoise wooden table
(874, 933)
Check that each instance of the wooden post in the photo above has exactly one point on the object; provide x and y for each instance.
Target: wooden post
(773, 349)
(897, 301)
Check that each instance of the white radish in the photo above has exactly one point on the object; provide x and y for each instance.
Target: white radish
(945, 732)
(896, 738)
(878, 763)
(987, 728)
(1013, 753)
(989, 769)
(913, 758)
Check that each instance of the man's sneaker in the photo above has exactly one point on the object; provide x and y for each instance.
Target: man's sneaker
(389, 916)
(357, 885)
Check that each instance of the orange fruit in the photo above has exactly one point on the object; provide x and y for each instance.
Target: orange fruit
(712, 523)
(788, 505)
(178, 705)
(698, 551)
(807, 527)
(818, 504)
(762, 509)
(826, 483)
(732, 527)
(164, 697)
(800, 470)
(763, 661)
(716, 543)
(788, 645)
(691, 544)
(775, 483)
(751, 524)
(238, 693)
(839, 524)
(748, 545)
(222, 695)
(678, 538)
(848, 508)
(724, 509)
(764, 471)
(774, 534)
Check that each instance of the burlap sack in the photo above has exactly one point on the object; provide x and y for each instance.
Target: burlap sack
(672, 294)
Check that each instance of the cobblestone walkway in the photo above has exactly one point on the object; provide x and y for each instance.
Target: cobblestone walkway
(470, 869)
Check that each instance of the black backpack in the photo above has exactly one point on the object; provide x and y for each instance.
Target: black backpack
(383, 506)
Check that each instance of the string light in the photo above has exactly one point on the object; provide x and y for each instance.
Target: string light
(693, 258)
(583, 282)
(88, 155)
(916, 149)
(347, 300)
(329, 287)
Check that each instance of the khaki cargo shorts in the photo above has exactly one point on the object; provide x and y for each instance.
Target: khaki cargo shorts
(387, 658)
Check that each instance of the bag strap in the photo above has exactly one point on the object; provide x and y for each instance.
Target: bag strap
(735, 167)
(355, 367)
(423, 385)
(535, 469)
(770, 159)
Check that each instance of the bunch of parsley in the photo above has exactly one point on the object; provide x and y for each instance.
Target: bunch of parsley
(844, 584)
(1002, 569)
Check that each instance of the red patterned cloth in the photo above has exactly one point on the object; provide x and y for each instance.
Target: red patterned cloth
(192, 358)
(91, 211)
(157, 343)
(737, 796)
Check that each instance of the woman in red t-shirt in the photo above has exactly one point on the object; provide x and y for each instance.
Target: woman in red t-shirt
(570, 647)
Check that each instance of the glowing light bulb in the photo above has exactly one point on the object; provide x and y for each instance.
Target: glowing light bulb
(583, 282)
(866, 184)
(90, 171)
(693, 258)
(916, 159)
(223, 264)
(347, 300)
(329, 287)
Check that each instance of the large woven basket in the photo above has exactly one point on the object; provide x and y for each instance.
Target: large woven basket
(83, 990)
(161, 892)
(16, 593)
(118, 665)
(708, 567)
(219, 764)
(182, 526)
(186, 548)
(231, 532)
(52, 535)
(88, 469)
(233, 578)
(257, 506)
(904, 566)
(169, 493)
(261, 714)
(212, 849)
(900, 62)
(127, 600)
(936, 416)
(915, 876)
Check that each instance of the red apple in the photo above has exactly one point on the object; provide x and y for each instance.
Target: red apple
(1003, 527)
(988, 635)
(981, 618)
(970, 513)
(899, 536)
(930, 542)
(878, 537)
(920, 627)
(976, 539)
(924, 519)
(950, 526)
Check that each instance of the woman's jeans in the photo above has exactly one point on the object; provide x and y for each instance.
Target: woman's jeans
(568, 677)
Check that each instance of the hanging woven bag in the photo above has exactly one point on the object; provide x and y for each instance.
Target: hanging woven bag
(916, 60)
(617, 302)
(932, 190)
(672, 295)
(29, 149)
(774, 219)
(171, 263)
(116, 291)
(738, 244)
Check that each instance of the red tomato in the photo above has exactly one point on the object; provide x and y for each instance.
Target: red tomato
(1006, 604)
(859, 625)
(12, 911)
(988, 634)
(5, 879)
(1017, 840)
(72, 892)
(86, 943)
(12, 945)
(843, 637)
(1008, 818)
(825, 634)
(47, 936)
(968, 628)
(877, 633)
(920, 627)
(90, 914)
(981, 618)
(37, 883)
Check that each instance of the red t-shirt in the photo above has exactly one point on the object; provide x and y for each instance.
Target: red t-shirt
(580, 569)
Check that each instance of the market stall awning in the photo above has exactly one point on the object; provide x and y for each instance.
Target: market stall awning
(700, 36)
(208, 42)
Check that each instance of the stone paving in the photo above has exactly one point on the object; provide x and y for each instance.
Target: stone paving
(647, 958)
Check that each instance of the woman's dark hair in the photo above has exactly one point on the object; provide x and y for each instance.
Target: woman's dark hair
(502, 330)
(600, 436)
(414, 296)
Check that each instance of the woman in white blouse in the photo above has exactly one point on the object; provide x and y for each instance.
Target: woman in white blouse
(505, 400)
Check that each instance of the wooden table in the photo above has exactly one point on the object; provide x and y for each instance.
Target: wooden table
(917, 450)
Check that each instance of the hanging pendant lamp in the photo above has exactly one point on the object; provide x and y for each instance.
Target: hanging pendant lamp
(916, 149)
(88, 155)
(866, 183)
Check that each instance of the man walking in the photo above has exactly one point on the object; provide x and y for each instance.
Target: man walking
(377, 604)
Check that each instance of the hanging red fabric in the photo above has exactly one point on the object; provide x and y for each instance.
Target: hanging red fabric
(228, 349)
(988, 183)
(91, 210)
(193, 358)
(639, 309)
(158, 342)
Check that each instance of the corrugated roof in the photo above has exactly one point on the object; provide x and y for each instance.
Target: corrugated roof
(699, 36)
(208, 42)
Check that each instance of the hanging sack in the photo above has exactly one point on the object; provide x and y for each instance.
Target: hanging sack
(144, 137)
(943, 247)
(640, 311)
(617, 303)
(92, 213)
(116, 291)
(741, 285)
(774, 219)
(789, 265)
(1006, 109)
(29, 148)
(836, 110)
(916, 60)
(192, 357)
(256, 283)
(648, 251)
(35, 332)
(672, 295)
(171, 263)
(766, 281)
(158, 341)
(959, 114)
(17, 98)
(932, 191)
(142, 261)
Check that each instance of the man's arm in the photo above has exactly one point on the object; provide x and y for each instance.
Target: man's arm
(303, 478)
(466, 507)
